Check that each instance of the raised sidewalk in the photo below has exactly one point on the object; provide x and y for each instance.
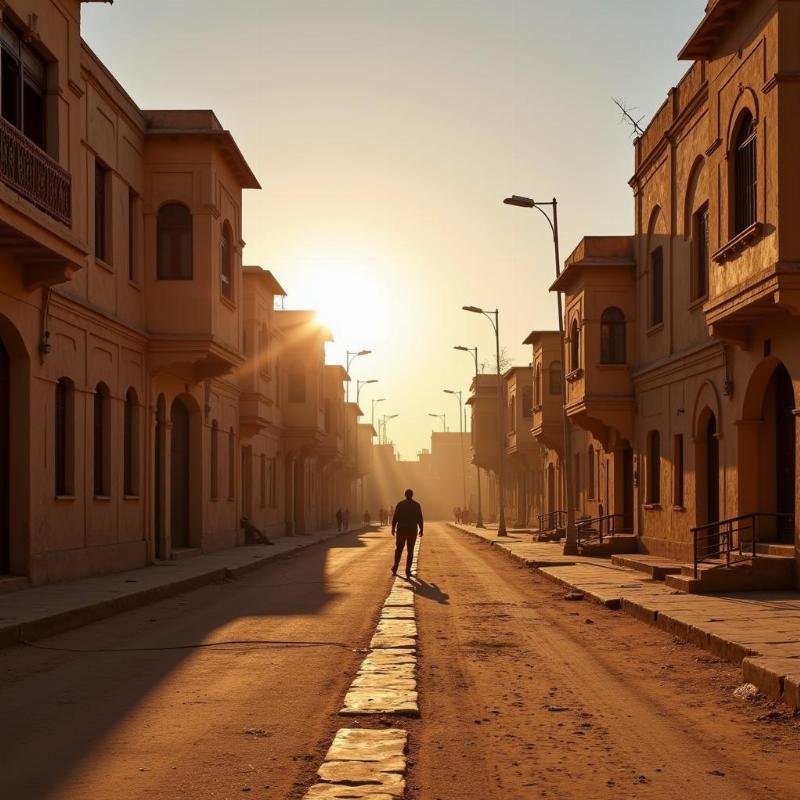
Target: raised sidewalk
(42, 611)
(758, 630)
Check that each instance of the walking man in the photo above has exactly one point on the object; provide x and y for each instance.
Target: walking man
(406, 521)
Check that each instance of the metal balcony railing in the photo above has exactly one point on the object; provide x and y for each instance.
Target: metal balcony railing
(27, 169)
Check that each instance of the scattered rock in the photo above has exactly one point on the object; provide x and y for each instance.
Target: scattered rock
(574, 596)
(770, 716)
(589, 621)
(747, 691)
(641, 779)
(556, 709)
(718, 772)
(257, 732)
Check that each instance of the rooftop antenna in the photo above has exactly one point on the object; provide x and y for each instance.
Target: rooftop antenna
(627, 116)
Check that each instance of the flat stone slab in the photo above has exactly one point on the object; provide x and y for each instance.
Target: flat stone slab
(398, 600)
(384, 680)
(397, 627)
(397, 612)
(381, 701)
(363, 764)
(356, 744)
(380, 642)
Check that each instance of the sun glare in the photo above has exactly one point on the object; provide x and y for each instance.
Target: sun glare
(349, 298)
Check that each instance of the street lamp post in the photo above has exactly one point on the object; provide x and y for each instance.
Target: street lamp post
(571, 542)
(474, 351)
(443, 418)
(374, 401)
(501, 519)
(385, 419)
(459, 395)
(359, 481)
(351, 356)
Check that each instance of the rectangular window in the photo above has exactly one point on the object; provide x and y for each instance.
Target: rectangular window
(677, 491)
(576, 480)
(101, 212)
(657, 287)
(297, 387)
(273, 482)
(700, 254)
(64, 435)
(231, 464)
(654, 468)
(132, 233)
(214, 468)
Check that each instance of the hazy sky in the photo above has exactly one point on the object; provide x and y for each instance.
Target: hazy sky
(385, 135)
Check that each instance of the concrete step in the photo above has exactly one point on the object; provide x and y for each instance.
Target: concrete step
(762, 574)
(614, 545)
(775, 549)
(655, 567)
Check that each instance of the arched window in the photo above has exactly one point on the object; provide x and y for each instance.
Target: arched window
(174, 247)
(612, 336)
(102, 444)
(575, 346)
(231, 464)
(555, 377)
(745, 173)
(657, 286)
(653, 467)
(214, 466)
(226, 262)
(130, 444)
(700, 253)
(64, 437)
(537, 387)
(590, 473)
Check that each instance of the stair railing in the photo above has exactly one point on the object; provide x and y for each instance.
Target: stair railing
(730, 541)
(591, 531)
(552, 520)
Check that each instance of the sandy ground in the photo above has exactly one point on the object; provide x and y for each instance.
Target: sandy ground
(527, 695)
(248, 720)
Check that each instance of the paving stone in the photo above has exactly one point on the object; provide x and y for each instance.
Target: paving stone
(397, 627)
(332, 791)
(399, 600)
(381, 701)
(397, 612)
(383, 680)
(380, 642)
(359, 773)
(360, 744)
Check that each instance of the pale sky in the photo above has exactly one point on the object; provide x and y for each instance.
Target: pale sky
(386, 134)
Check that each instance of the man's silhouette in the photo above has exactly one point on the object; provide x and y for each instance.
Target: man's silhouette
(407, 519)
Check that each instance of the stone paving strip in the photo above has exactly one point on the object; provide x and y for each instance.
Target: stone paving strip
(760, 631)
(371, 763)
(363, 763)
(34, 613)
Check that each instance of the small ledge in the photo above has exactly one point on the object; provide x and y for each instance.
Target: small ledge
(104, 264)
(651, 331)
(697, 303)
(680, 509)
(131, 497)
(739, 243)
(652, 506)
(135, 285)
(575, 375)
(103, 498)
(227, 302)
(65, 497)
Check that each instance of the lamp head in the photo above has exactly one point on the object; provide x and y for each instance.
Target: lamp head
(519, 201)
(473, 309)
(449, 391)
(364, 352)
(461, 347)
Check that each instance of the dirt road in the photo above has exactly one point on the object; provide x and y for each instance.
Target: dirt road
(526, 695)
(243, 720)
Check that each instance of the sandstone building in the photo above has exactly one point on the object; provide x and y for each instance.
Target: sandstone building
(150, 395)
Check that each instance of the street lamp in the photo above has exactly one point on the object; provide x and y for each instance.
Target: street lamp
(443, 418)
(352, 356)
(459, 395)
(571, 543)
(384, 420)
(501, 519)
(359, 481)
(474, 351)
(376, 400)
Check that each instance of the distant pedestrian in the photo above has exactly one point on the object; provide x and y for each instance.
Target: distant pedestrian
(406, 522)
(339, 518)
(367, 518)
(346, 520)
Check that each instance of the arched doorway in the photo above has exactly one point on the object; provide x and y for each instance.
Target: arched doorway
(767, 457)
(158, 473)
(781, 394)
(179, 474)
(5, 460)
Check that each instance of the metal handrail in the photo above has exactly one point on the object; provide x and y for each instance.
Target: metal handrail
(731, 540)
(552, 520)
(596, 525)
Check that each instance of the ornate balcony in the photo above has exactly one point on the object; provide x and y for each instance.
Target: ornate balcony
(28, 170)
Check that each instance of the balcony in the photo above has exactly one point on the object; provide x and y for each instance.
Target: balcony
(546, 423)
(599, 284)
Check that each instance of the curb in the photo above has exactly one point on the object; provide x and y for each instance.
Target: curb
(63, 621)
